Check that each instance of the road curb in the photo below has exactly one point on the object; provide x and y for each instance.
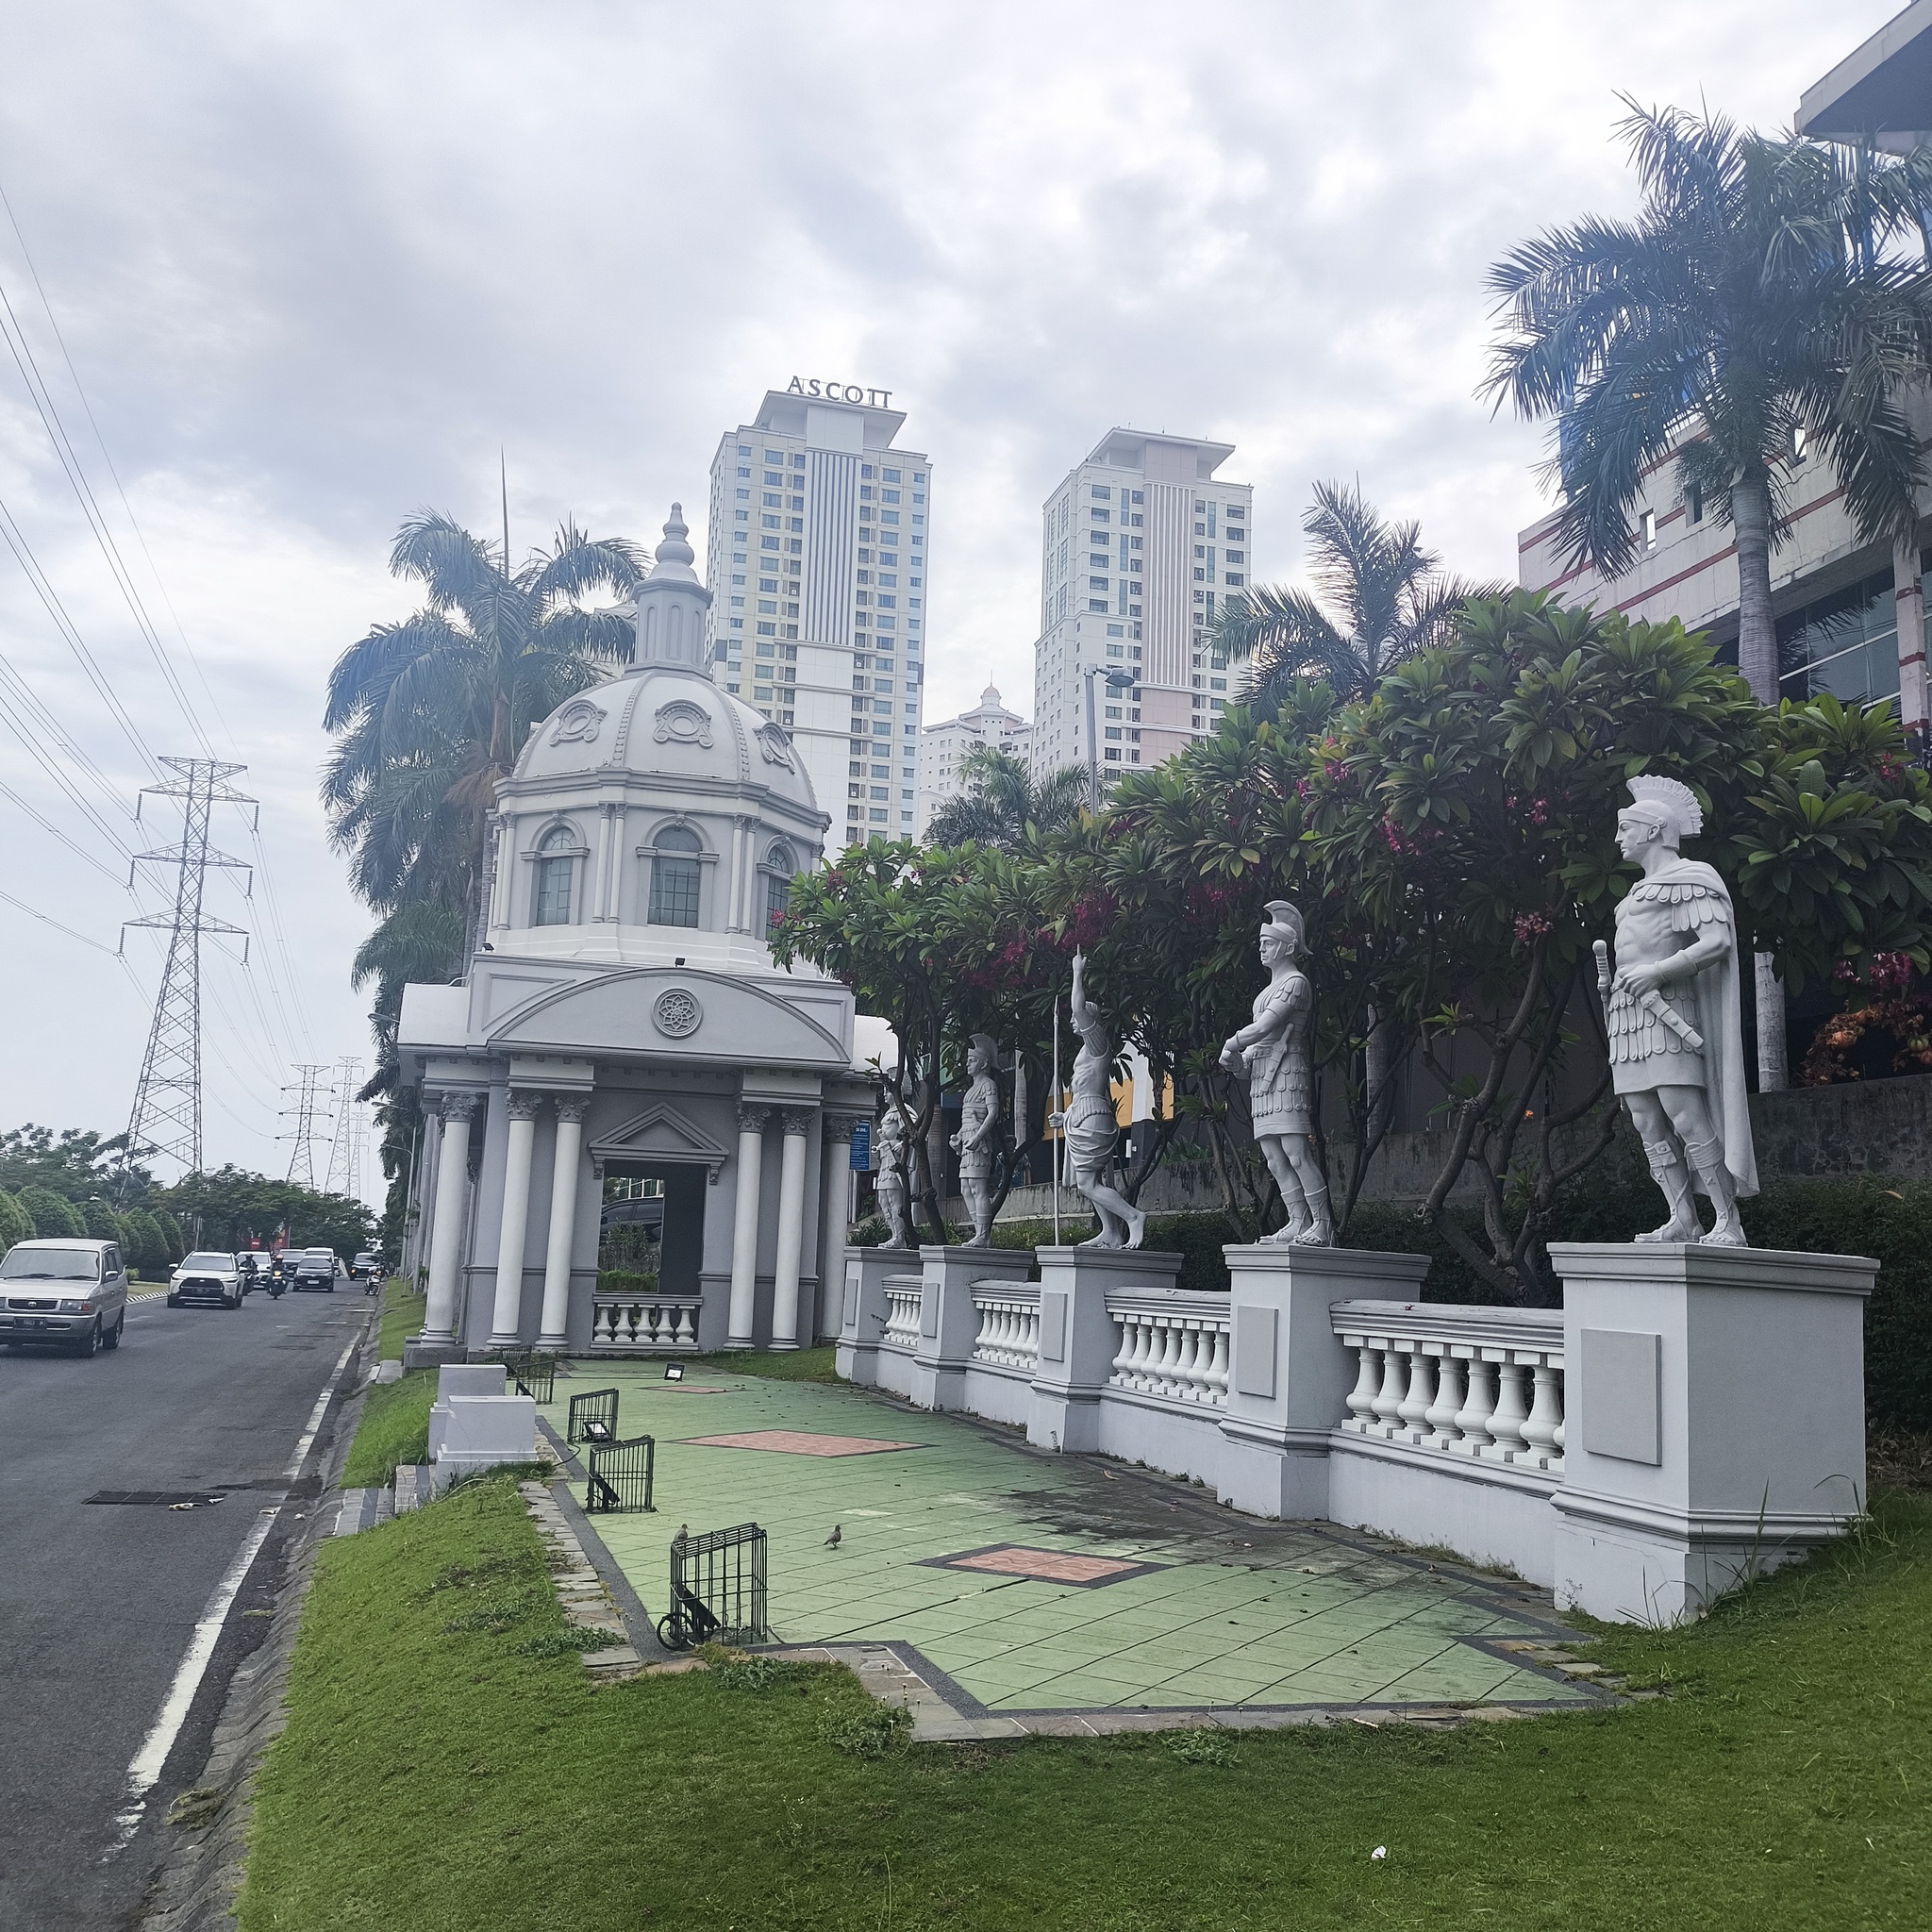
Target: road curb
(199, 1876)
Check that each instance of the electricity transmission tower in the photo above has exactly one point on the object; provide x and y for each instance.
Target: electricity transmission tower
(346, 1150)
(167, 1098)
(301, 1159)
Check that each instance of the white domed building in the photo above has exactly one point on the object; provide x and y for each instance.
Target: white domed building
(625, 1032)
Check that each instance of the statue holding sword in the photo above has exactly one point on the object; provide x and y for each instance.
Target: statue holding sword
(1674, 1019)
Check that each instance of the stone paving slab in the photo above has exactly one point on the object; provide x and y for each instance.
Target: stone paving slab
(1220, 1614)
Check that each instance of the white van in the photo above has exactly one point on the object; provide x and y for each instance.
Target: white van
(66, 1293)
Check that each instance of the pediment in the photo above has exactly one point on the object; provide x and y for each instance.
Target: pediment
(660, 1132)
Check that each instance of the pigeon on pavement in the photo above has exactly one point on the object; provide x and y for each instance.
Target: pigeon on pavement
(833, 1540)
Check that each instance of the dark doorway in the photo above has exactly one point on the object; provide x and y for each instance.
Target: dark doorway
(653, 1223)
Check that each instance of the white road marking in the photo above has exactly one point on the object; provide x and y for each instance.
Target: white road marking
(153, 1755)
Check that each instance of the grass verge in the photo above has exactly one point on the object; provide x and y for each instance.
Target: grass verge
(395, 1429)
(402, 1317)
(429, 1778)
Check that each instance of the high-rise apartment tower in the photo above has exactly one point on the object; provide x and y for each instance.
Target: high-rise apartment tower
(817, 565)
(1140, 544)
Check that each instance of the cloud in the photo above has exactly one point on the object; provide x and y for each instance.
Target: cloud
(317, 266)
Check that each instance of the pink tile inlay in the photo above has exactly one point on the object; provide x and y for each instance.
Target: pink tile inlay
(797, 1443)
(1051, 1566)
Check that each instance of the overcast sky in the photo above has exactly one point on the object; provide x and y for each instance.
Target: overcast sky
(313, 265)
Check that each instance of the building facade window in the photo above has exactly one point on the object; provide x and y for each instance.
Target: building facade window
(780, 864)
(1846, 644)
(675, 874)
(556, 864)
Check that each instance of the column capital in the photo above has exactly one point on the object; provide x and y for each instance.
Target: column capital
(840, 1126)
(460, 1105)
(524, 1103)
(572, 1107)
(751, 1120)
(798, 1119)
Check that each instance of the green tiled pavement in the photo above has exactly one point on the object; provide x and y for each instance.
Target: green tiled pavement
(1237, 1611)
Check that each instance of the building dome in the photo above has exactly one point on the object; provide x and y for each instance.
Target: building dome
(662, 721)
(654, 812)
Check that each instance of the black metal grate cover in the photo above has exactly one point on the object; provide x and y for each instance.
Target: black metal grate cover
(620, 1479)
(716, 1588)
(592, 1417)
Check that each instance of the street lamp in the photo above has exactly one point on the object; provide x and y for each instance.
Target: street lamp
(1116, 680)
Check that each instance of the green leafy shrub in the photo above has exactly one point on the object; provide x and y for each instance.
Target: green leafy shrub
(865, 1730)
(16, 1225)
(625, 1281)
(52, 1216)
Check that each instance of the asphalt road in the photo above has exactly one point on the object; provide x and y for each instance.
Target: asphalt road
(99, 1602)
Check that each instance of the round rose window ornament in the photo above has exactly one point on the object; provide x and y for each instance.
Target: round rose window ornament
(678, 1013)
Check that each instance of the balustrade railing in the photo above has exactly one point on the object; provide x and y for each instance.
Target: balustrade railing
(1477, 1382)
(662, 1322)
(1172, 1346)
(902, 1312)
(1008, 1334)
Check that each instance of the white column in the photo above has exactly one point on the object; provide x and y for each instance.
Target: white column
(790, 1262)
(835, 1190)
(563, 1219)
(507, 1318)
(446, 1231)
(744, 1227)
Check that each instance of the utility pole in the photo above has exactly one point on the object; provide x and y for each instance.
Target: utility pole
(346, 1150)
(302, 1156)
(166, 1119)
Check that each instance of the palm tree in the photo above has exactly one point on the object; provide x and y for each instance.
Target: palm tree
(1384, 588)
(429, 715)
(1760, 305)
(1005, 804)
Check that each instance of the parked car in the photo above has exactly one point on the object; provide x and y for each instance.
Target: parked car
(64, 1293)
(317, 1267)
(207, 1277)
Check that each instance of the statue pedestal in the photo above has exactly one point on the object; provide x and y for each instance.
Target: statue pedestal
(1715, 1419)
(948, 1322)
(863, 1310)
(1290, 1373)
(1079, 1340)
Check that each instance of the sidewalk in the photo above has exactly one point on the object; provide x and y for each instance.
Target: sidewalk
(1033, 1583)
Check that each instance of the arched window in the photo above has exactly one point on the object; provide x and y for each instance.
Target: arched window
(779, 866)
(675, 875)
(556, 863)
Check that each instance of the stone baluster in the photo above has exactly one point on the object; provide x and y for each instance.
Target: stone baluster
(1388, 1403)
(1472, 1418)
(1122, 1374)
(1414, 1409)
(1188, 1353)
(1511, 1410)
(1217, 1370)
(1361, 1398)
(1545, 1423)
(1167, 1370)
(1449, 1397)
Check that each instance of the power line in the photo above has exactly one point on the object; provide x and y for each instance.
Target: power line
(302, 1158)
(21, 906)
(166, 1118)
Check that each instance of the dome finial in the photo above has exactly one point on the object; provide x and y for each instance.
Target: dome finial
(675, 549)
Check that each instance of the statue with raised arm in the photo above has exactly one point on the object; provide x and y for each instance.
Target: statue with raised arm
(1272, 1053)
(1675, 1018)
(977, 1142)
(1088, 1125)
(889, 1162)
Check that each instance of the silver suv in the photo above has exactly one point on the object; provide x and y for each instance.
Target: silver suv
(65, 1293)
(207, 1277)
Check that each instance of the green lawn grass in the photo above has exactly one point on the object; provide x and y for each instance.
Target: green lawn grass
(394, 1428)
(432, 1780)
(402, 1317)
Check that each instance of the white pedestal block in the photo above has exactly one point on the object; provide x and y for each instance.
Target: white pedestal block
(1288, 1372)
(485, 1431)
(1715, 1420)
(1079, 1340)
(455, 1380)
(948, 1323)
(862, 1312)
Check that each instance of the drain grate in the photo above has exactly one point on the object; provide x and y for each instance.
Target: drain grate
(167, 1498)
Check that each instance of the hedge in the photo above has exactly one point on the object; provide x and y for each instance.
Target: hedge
(15, 1224)
(51, 1215)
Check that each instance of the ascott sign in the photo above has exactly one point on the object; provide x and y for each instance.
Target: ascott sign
(839, 392)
